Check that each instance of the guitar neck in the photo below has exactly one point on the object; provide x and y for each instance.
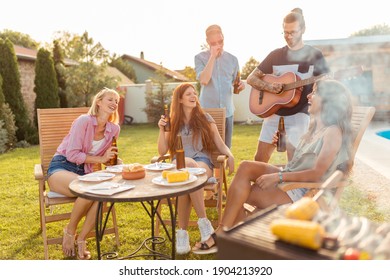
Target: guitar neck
(302, 83)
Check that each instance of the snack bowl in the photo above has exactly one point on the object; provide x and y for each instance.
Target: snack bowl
(133, 175)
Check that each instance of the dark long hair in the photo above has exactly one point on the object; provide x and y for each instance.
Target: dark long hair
(336, 109)
(198, 121)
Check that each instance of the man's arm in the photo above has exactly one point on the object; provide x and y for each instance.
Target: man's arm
(255, 80)
(205, 75)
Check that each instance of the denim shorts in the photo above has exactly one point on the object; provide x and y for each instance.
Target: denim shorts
(296, 194)
(60, 162)
(205, 160)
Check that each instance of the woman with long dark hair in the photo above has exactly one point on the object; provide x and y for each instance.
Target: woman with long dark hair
(199, 133)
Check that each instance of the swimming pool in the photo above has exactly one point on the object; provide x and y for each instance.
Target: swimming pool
(384, 134)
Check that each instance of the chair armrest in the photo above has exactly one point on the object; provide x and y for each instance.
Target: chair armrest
(160, 158)
(287, 186)
(38, 172)
(222, 158)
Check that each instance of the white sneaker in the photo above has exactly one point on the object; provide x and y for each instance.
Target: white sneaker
(182, 242)
(205, 228)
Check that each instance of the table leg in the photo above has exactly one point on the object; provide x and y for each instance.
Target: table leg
(100, 226)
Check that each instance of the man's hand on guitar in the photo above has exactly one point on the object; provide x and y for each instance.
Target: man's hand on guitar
(274, 88)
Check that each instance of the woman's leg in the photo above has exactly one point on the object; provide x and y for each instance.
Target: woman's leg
(80, 209)
(183, 211)
(240, 189)
(60, 180)
(88, 226)
(239, 192)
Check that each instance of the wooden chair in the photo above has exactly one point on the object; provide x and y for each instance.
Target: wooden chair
(213, 191)
(361, 118)
(53, 126)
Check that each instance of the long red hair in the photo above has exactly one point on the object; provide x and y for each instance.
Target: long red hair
(198, 122)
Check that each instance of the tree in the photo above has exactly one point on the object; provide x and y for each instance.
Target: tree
(190, 73)
(19, 39)
(251, 64)
(88, 77)
(379, 29)
(124, 67)
(12, 90)
(46, 87)
(155, 100)
(59, 66)
(7, 124)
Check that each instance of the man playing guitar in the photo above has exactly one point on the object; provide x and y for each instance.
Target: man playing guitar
(302, 60)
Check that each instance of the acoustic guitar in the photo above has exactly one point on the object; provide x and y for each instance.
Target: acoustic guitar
(264, 104)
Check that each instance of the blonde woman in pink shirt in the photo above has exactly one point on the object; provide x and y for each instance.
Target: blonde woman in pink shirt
(87, 143)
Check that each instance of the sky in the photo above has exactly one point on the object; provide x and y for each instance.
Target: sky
(171, 32)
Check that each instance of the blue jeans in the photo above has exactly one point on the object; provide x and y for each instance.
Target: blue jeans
(60, 162)
(229, 131)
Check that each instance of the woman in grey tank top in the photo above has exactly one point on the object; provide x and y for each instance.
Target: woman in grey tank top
(324, 148)
(199, 133)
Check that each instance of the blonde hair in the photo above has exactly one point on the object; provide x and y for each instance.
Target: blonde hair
(213, 29)
(94, 109)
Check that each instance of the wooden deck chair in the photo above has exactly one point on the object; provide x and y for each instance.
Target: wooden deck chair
(214, 192)
(53, 126)
(361, 118)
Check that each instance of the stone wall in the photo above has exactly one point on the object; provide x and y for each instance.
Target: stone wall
(27, 76)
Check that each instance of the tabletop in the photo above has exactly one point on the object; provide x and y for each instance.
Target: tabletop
(144, 190)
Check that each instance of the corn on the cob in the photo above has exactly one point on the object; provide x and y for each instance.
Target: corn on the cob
(303, 209)
(177, 176)
(303, 233)
(165, 172)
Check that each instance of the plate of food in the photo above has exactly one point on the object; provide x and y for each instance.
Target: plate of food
(159, 166)
(196, 170)
(115, 168)
(96, 177)
(164, 182)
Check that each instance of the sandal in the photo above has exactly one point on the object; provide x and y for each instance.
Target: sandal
(68, 243)
(205, 248)
(82, 253)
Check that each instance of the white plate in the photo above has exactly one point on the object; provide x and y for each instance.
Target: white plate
(107, 188)
(115, 168)
(163, 182)
(96, 177)
(196, 170)
(159, 166)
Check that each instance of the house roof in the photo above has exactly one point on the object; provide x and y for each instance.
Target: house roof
(377, 39)
(114, 72)
(153, 66)
(23, 53)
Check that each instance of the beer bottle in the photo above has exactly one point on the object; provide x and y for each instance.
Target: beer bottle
(281, 144)
(114, 160)
(167, 119)
(180, 157)
(237, 83)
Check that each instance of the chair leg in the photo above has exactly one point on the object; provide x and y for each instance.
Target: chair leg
(43, 227)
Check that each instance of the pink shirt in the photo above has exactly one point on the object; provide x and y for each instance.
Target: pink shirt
(76, 145)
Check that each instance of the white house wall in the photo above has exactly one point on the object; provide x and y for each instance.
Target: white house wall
(135, 103)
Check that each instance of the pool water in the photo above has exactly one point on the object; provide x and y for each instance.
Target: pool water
(384, 134)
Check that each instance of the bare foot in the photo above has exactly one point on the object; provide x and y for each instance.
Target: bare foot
(68, 243)
(82, 252)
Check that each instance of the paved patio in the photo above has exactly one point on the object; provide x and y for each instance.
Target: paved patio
(371, 171)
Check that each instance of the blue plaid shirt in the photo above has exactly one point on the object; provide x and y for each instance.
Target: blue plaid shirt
(218, 93)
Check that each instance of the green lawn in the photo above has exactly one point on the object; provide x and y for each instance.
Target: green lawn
(20, 237)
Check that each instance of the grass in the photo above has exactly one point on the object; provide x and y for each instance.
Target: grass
(20, 237)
